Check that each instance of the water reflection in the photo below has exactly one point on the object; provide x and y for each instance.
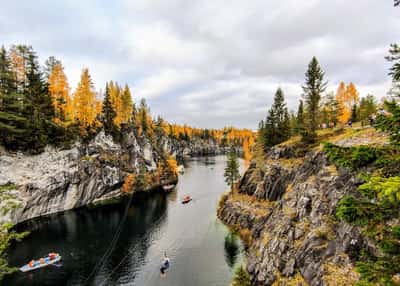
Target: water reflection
(232, 249)
(201, 253)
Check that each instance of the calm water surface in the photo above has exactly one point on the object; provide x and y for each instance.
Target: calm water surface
(200, 248)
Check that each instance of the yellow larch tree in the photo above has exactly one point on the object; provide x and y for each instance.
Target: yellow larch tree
(85, 104)
(59, 91)
(346, 97)
(246, 151)
(352, 96)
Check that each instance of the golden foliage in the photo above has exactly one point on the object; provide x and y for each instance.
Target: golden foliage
(59, 91)
(85, 104)
(346, 97)
(128, 183)
(172, 164)
(121, 101)
(246, 151)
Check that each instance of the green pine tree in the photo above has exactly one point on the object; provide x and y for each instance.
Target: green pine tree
(231, 173)
(13, 122)
(313, 87)
(354, 113)
(367, 108)
(108, 114)
(276, 127)
(40, 110)
(300, 118)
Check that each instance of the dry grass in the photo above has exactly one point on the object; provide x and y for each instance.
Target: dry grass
(296, 280)
(332, 169)
(289, 212)
(339, 275)
(246, 236)
(305, 225)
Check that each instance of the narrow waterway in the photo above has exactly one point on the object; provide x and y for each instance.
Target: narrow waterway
(201, 250)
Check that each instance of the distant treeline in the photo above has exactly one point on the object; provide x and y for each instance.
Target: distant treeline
(37, 108)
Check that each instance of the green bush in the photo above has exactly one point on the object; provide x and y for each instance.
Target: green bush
(354, 211)
(382, 189)
(241, 278)
(351, 157)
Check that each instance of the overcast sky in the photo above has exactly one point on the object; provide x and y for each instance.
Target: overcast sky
(210, 63)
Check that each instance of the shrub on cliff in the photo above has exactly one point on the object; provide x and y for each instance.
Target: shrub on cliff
(351, 157)
(377, 204)
(241, 278)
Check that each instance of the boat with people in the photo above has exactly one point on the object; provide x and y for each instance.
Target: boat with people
(186, 199)
(50, 259)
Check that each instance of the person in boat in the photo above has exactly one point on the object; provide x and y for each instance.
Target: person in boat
(165, 265)
(31, 263)
(52, 255)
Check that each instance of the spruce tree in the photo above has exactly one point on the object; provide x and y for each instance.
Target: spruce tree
(367, 108)
(300, 118)
(40, 109)
(108, 113)
(354, 113)
(13, 123)
(313, 87)
(231, 173)
(276, 127)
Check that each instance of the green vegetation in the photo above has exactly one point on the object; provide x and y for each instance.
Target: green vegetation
(314, 86)
(351, 157)
(377, 210)
(241, 278)
(276, 127)
(232, 169)
(7, 187)
(7, 235)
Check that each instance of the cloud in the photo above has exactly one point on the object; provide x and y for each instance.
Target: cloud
(210, 63)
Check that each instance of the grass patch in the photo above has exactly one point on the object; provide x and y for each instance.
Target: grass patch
(7, 187)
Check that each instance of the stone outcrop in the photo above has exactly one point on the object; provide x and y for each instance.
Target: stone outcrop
(194, 148)
(59, 180)
(288, 207)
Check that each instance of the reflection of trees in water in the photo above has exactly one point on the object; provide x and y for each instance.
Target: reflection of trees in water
(145, 218)
(232, 250)
(173, 195)
(83, 235)
(209, 160)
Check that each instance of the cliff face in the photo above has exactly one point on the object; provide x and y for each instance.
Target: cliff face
(55, 180)
(59, 180)
(284, 210)
(193, 148)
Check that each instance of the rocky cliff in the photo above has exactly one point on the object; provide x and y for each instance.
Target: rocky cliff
(285, 211)
(193, 148)
(59, 180)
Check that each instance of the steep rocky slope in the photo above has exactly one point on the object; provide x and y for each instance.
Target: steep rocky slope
(58, 180)
(284, 210)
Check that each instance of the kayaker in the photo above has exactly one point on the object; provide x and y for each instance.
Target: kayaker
(31, 263)
(164, 265)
